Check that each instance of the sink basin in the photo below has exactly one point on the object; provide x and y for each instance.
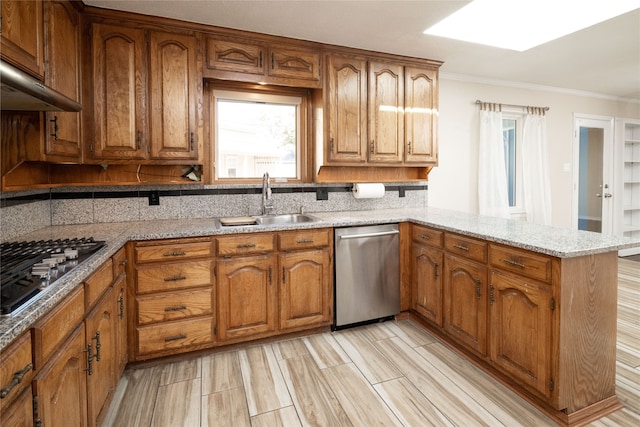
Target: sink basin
(284, 219)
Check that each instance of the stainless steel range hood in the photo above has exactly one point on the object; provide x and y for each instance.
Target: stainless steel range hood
(21, 92)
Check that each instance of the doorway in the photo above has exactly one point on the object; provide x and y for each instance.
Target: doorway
(593, 174)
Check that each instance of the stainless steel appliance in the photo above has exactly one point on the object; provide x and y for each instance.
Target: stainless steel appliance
(367, 268)
(29, 269)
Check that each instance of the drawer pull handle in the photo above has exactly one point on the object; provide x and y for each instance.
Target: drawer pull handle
(461, 247)
(424, 237)
(514, 262)
(478, 289)
(305, 241)
(121, 306)
(175, 278)
(246, 246)
(176, 308)
(175, 253)
(17, 378)
(175, 338)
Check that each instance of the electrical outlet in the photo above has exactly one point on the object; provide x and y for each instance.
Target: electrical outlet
(154, 198)
(401, 191)
(322, 194)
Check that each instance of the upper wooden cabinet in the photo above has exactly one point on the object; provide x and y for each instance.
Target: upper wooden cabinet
(147, 90)
(63, 137)
(255, 60)
(379, 113)
(22, 36)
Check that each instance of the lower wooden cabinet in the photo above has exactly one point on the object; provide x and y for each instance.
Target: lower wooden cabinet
(520, 316)
(305, 288)
(247, 292)
(60, 388)
(175, 337)
(465, 301)
(427, 271)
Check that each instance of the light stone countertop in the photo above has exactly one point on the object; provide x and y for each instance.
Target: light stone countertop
(554, 241)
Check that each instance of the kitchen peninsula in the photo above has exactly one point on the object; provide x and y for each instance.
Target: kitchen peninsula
(568, 279)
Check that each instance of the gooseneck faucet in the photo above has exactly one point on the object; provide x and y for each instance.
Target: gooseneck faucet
(267, 201)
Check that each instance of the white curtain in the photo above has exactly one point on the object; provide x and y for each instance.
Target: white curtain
(492, 175)
(535, 168)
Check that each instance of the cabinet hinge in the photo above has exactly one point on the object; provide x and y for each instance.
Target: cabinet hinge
(551, 384)
(91, 147)
(552, 304)
(215, 271)
(35, 407)
(215, 330)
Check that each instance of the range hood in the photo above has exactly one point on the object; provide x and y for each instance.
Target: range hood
(21, 92)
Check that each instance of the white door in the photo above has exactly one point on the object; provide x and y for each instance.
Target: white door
(593, 200)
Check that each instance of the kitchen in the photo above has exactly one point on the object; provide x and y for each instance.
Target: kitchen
(105, 211)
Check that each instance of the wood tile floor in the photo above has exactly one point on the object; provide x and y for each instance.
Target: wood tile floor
(387, 374)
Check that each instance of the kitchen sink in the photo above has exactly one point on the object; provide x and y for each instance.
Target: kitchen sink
(284, 219)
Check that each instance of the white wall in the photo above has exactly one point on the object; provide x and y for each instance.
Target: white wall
(452, 185)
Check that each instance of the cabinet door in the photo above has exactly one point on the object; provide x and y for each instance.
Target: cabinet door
(427, 282)
(295, 64)
(465, 301)
(520, 313)
(20, 412)
(22, 35)
(346, 110)
(62, 54)
(305, 286)
(386, 117)
(119, 93)
(246, 296)
(173, 96)
(100, 329)
(61, 387)
(234, 56)
(421, 116)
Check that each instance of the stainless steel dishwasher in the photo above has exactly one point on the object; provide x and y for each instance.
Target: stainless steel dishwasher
(367, 266)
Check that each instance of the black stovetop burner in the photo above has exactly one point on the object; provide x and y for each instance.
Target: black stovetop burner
(30, 268)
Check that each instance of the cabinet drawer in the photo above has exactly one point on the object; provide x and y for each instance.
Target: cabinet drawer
(304, 239)
(16, 369)
(173, 250)
(173, 306)
(119, 262)
(427, 236)
(166, 277)
(246, 244)
(466, 246)
(99, 281)
(57, 325)
(521, 262)
(165, 336)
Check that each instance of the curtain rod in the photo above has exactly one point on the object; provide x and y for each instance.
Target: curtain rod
(511, 105)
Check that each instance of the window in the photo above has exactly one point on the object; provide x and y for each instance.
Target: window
(512, 139)
(258, 132)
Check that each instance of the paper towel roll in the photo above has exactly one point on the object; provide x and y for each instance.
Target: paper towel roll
(368, 191)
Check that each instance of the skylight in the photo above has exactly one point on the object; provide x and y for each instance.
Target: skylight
(524, 24)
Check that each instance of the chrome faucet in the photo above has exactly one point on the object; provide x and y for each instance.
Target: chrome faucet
(267, 201)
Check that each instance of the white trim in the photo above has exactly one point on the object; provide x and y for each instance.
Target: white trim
(532, 86)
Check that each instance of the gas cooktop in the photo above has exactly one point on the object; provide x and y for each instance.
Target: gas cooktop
(29, 269)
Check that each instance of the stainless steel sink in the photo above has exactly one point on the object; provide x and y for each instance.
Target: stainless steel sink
(285, 219)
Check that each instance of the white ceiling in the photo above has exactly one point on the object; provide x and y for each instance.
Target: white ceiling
(602, 59)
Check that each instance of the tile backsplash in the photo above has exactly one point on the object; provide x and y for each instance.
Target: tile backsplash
(23, 212)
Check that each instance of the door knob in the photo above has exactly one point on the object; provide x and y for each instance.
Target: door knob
(607, 195)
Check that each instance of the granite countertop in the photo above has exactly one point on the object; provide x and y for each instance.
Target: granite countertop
(554, 241)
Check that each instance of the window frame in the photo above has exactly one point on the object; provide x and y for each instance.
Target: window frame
(518, 210)
(303, 161)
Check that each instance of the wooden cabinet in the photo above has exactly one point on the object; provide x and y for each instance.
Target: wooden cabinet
(256, 60)
(63, 135)
(421, 116)
(246, 286)
(386, 113)
(427, 268)
(146, 93)
(100, 329)
(379, 113)
(305, 283)
(60, 388)
(16, 372)
(22, 36)
(173, 306)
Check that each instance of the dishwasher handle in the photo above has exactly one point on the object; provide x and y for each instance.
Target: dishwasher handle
(363, 235)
